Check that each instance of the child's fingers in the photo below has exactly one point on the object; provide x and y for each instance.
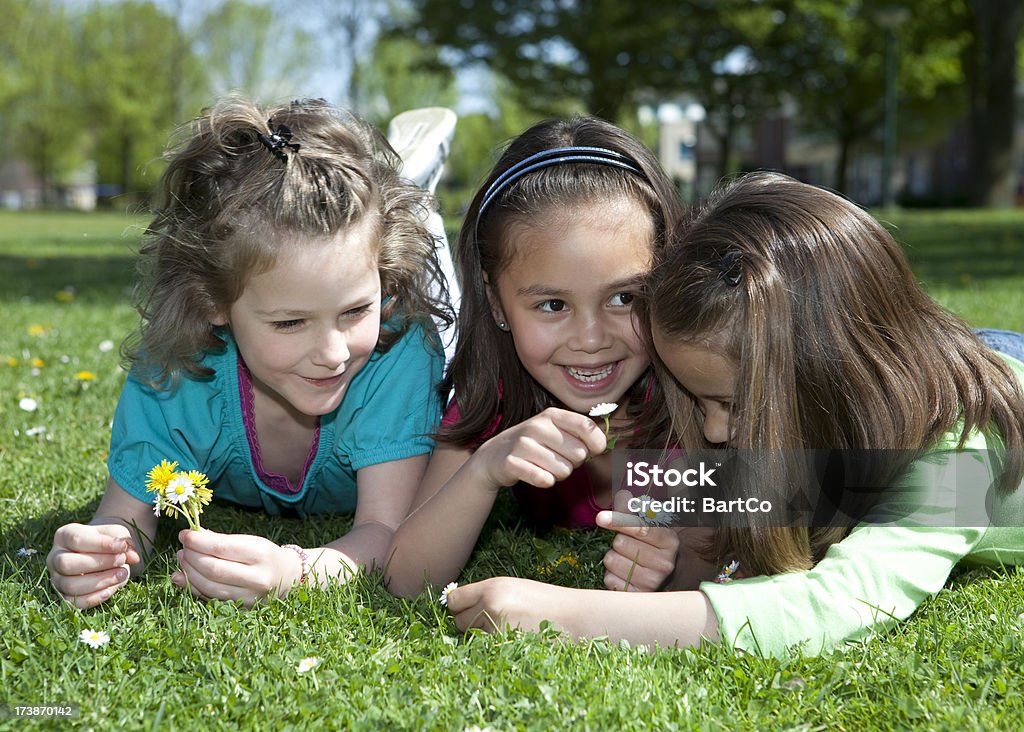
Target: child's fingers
(72, 563)
(618, 521)
(202, 586)
(542, 473)
(105, 539)
(581, 427)
(224, 572)
(242, 548)
(620, 567)
(84, 585)
(90, 600)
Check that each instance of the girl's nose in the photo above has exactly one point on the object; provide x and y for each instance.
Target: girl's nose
(593, 335)
(716, 426)
(332, 349)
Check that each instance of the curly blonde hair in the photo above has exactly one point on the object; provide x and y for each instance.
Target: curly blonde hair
(228, 205)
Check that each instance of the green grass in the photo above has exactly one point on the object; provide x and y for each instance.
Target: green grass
(173, 663)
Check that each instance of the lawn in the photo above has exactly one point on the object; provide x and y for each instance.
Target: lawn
(173, 663)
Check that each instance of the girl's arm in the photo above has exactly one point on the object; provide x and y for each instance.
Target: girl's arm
(668, 619)
(89, 563)
(248, 568)
(458, 492)
(384, 500)
(433, 544)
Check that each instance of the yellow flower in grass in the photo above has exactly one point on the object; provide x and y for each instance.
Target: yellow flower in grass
(178, 492)
(37, 330)
(37, 363)
(85, 376)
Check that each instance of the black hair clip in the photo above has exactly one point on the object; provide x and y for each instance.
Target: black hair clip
(729, 268)
(279, 137)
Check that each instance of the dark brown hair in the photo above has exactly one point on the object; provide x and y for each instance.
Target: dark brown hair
(836, 344)
(227, 204)
(486, 374)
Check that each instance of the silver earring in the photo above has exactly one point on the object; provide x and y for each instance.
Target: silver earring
(502, 325)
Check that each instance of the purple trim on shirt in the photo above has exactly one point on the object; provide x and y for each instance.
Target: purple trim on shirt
(274, 481)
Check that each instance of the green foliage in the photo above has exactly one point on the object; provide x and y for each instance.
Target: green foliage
(174, 663)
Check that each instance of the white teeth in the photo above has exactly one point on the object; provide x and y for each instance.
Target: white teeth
(590, 376)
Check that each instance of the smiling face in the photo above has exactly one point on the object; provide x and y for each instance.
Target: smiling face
(567, 296)
(708, 376)
(308, 324)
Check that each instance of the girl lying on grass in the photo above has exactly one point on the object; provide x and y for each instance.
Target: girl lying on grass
(549, 259)
(286, 350)
(784, 317)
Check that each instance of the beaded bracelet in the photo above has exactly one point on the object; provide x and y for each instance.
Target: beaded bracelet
(303, 556)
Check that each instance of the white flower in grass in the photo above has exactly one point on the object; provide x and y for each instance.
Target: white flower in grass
(602, 409)
(651, 517)
(94, 638)
(106, 346)
(444, 593)
(27, 552)
(308, 664)
(35, 431)
(179, 489)
(28, 404)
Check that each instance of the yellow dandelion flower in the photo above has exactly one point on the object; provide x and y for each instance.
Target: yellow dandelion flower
(160, 476)
(179, 493)
(37, 363)
(11, 361)
(64, 295)
(85, 376)
(36, 330)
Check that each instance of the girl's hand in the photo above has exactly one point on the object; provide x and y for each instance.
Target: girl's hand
(90, 563)
(643, 555)
(540, 451)
(501, 602)
(234, 566)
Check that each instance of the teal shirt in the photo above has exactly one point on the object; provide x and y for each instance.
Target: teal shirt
(389, 413)
(880, 574)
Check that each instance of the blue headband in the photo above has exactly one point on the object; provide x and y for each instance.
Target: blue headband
(555, 156)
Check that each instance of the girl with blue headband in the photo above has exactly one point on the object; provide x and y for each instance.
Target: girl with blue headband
(549, 259)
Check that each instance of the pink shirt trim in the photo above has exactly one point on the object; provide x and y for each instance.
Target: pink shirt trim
(274, 481)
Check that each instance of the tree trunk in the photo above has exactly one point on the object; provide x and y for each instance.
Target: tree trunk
(991, 71)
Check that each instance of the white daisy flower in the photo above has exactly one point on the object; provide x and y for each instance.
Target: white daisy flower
(106, 346)
(179, 489)
(28, 404)
(308, 664)
(602, 409)
(651, 517)
(94, 638)
(34, 431)
(27, 552)
(444, 593)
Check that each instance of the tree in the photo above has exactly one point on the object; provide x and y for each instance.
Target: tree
(990, 65)
(835, 54)
(127, 54)
(598, 53)
(253, 49)
(38, 91)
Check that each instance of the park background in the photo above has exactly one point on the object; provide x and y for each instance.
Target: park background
(908, 108)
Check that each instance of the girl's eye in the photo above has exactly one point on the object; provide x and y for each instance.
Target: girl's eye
(623, 299)
(357, 312)
(552, 306)
(286, 325)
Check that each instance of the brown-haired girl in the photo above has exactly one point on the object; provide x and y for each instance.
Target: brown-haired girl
(786, 318)
(549, 259)
(286, 350)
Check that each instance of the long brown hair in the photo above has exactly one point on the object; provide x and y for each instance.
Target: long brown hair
(228, 204)
(486, 374)
(836, 344)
